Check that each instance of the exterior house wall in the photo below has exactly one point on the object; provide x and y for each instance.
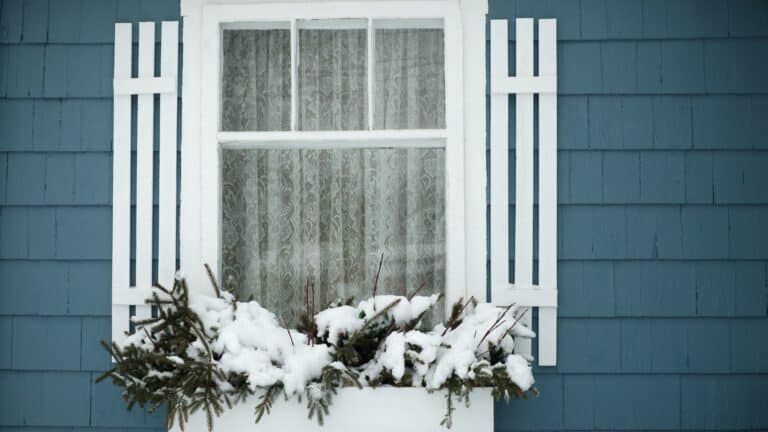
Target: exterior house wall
(663, 234)
(663, 237)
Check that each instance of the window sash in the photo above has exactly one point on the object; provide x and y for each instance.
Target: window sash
(212, 139)
(370, 22)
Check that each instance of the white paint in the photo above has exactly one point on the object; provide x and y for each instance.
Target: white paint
(383, 409)
(499, 162)
(145, 86)
(473, 16)
(144, 165)
(169, 60)
(526, 296)
(524, 85)
(121, 184)
(548, 193)
(524, 169)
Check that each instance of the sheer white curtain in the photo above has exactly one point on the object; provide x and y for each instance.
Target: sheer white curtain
(327, 215)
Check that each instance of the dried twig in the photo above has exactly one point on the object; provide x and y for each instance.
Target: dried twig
(290, 336)
(498, 322)
(376, 280)
(213, 280)
(416, 291)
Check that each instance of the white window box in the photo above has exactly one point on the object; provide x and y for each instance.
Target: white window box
(372, 410)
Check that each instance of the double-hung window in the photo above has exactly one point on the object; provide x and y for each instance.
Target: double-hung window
(329, 137)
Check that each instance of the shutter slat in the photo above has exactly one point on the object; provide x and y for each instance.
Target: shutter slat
(121, 183)
(547, 192)
(524, 169)
(166, 258)
(144, 166)
(499, 154)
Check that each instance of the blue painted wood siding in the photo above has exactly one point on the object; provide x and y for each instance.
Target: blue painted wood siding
(663, 218)
(55, 212)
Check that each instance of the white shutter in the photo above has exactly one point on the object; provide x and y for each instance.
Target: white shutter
(524, 85)
(145, 86)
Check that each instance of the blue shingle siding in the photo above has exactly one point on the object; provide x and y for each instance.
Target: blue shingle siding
(55, 212)
(663, 243)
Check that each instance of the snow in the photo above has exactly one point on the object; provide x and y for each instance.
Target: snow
(519, 371)
(249, 339)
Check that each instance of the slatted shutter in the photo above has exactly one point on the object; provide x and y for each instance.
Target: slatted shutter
(144, 87)
(524, 85)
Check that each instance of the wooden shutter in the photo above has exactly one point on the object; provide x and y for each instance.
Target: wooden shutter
(524, 85)
(124, 293)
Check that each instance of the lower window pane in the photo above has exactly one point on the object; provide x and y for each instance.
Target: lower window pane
(326, 216)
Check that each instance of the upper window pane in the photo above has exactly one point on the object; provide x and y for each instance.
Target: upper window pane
(409, 89)
(332, 78)
(256, 85)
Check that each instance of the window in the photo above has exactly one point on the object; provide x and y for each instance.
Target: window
(330, 136)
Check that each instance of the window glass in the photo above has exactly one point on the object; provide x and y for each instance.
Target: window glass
(256, 73)
(326, 216)
(409, 77)
(333, 77)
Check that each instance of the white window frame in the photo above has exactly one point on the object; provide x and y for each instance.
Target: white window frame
(464, 134)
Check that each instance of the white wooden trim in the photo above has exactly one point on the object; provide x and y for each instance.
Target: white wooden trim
(524, 168)
(121, 183)
(524, 84)
(499, 163)
(144, 165)
(144, 85)
(548, 193)
(526, 296)
(166, 254)
(336, 136)
(190, 233)
(370, 69)
(286, 11)
(473, 15)
(210, 165)
(455, 280)
(294, 76)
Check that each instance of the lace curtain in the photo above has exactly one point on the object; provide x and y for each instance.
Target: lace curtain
(327, 214)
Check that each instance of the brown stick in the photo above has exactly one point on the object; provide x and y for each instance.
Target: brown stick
(376, 280)
(419, 288)
(213, 280)
(499, 320)
(288, 330)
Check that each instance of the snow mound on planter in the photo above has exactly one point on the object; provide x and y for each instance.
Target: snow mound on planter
(248, 339)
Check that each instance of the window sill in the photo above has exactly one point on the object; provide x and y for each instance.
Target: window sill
(372, 410)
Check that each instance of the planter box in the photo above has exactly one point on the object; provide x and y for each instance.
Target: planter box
(370, 410)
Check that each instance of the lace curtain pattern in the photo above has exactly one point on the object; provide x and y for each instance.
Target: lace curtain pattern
(328, 214)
